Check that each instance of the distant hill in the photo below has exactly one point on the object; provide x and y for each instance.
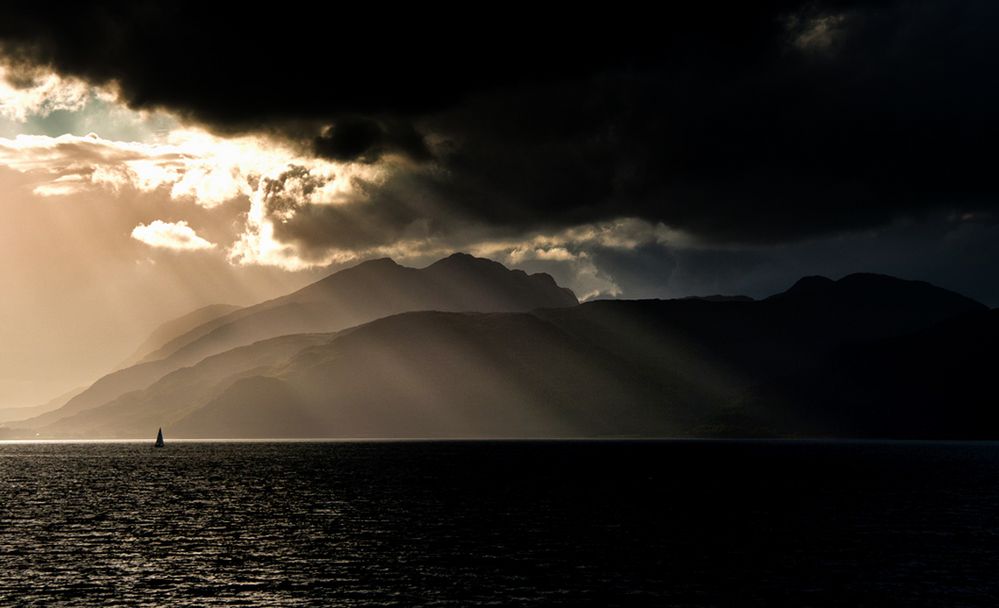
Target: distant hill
(363, 293)
(372, 290)
(12, 414)
(931, 384)
(720, 298)
(171, 330)
(182, 390)
(823, 358)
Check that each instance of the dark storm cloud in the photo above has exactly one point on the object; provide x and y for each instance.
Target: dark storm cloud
(759, 123)
(240, 69)
(367, 140)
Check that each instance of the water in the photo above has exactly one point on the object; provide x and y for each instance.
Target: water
(684, 523)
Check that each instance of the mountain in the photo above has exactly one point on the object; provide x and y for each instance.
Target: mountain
(415, 374)
(363, 293)
(861, 306)
(12, 414)
(720, 298)
(936, 383)
(431, 374)
(171, 330)
(182, 390)
(691, 367)
(372, 290)
(115, 383)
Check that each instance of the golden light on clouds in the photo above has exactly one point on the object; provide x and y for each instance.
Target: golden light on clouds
(196, 166)
(192, 164)
(171, 235)
(271, 180)
(130, 217)
(42, 94)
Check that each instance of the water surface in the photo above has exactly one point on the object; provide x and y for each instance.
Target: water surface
(672, 523)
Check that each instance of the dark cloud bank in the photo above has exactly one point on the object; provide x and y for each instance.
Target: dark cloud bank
(757, 124)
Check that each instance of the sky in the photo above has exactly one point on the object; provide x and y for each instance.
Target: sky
(158, 157)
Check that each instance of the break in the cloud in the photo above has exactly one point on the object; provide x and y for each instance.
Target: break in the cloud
(763, 123)
(199, 167)
(301, 211)
(766, 125)
(170, 235)
(39, 93)
(191, 164)
(694, 151)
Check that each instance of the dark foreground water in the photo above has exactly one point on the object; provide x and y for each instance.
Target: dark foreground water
(683, 523)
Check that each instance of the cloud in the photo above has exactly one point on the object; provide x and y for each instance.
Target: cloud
(274, 180)
(816, 32)
(39, 94)
(633, 151)
(367, 140)
(329, 63)
(192, 164)
(170, 235)
(774, 122)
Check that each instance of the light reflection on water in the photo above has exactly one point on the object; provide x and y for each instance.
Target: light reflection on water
(508, 523)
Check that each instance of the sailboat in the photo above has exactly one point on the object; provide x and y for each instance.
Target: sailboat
(159, 439)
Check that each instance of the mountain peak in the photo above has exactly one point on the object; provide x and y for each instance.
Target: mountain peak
(873, 279)
(812, 284)
(465, 260)
(481, 283)
(370, 290)
(864, 304)
(377, 262)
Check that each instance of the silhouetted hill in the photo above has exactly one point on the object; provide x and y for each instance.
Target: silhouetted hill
(823, 358)
(720, 298)
(607, 368)
(353, 296)
(731, 345)
(936, 383)
(863, 306)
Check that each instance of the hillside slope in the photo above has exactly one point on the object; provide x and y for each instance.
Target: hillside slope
(363, 293)
(607, 368)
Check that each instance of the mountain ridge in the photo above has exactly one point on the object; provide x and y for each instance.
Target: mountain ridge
(169, 330)
(353, 296)
(684, 367)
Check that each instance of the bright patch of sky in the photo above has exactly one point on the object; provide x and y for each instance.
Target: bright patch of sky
(48, 104)
(106, 118)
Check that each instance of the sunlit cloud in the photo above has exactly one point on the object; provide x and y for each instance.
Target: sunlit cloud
(170, 235)
(40, 94)
(571, 249)
(195, 166)
(277, 182)
(191, 164)
(623, 234)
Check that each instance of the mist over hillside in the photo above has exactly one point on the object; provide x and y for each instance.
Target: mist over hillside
(363, 293)
(823, 358)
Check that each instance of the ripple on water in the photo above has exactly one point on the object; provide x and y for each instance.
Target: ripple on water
(516, 523)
